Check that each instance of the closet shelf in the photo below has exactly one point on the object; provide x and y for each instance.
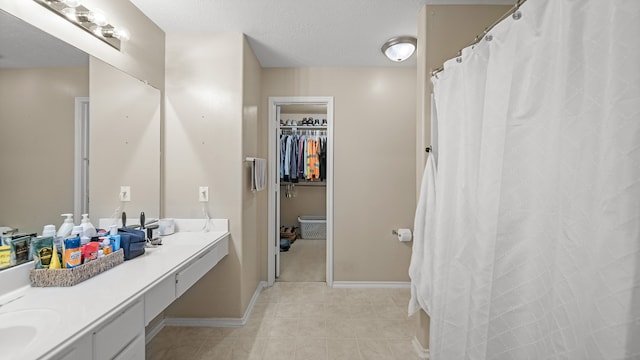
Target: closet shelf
(304, 127)
(304, 183)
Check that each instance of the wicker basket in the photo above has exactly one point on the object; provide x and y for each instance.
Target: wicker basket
(313, 227)
(74, 276)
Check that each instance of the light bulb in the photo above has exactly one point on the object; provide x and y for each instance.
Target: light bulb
(70, 13)
(98, 17)
(71, 3)
(122, 34)
(97, 30)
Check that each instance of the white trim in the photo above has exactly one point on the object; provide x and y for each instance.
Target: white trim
(80, 103)
(204, 322)
(420, 350)
(218, 322)
(330, 152)
(371, 284)
(149, 335)
(273, 190)
(274, 187)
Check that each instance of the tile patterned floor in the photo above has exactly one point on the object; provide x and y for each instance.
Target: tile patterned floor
(303, 321)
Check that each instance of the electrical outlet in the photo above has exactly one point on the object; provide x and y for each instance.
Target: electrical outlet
(203, 194)
(125, 193)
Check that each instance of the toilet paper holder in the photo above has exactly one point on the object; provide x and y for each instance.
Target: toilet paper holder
(406, 234)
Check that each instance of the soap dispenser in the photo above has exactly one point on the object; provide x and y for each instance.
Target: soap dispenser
(88, 230)
(114, 237)
(66, 227)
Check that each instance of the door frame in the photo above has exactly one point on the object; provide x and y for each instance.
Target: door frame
(81, 158)
(273, 245)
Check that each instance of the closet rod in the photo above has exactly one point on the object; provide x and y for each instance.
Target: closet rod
(310, 183)
(479, 37)
(302, 128)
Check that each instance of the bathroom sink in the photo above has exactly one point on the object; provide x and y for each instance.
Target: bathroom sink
(23, 328)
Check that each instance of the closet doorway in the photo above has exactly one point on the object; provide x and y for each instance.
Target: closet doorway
(300, 189)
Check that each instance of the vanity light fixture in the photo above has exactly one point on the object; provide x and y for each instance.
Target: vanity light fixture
(399, 48)
(93, 21)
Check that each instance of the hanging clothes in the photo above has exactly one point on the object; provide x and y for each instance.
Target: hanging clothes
(323, 158)
(313, 161)
(293, 162)
(303, 156)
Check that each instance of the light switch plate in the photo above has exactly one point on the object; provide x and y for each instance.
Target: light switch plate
(125, 193)
(203, 194)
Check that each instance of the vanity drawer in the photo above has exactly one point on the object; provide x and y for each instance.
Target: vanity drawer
(188, 276)
(79, 350)
(113, 337)
(158, 298)
(133, 351)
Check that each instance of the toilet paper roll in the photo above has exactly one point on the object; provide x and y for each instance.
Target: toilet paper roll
(404, 235)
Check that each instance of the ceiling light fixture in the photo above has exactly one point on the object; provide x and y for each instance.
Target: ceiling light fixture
(95, 22)
(399, 48)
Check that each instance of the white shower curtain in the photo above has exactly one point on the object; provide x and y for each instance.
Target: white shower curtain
(536, 234)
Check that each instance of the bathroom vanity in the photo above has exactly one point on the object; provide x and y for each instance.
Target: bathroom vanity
(105, 317)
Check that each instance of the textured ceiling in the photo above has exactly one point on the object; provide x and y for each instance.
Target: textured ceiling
(282, 33)
(301, 33)
(23, 46)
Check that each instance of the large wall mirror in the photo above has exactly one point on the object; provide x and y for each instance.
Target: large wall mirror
(43, 84)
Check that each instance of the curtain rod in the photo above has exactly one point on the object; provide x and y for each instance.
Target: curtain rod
(479, 37)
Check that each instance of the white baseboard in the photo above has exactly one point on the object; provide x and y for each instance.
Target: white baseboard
(372, 284)
(152, 332)
(208, 322)
(420, 351)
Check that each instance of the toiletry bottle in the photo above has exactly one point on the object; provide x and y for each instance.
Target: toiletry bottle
(75, 232)
(106, 246)
(50, 230)
(88, 229)
(72, 252)
(69, 254)
(66, 227)
(115, 238)
(55, 261)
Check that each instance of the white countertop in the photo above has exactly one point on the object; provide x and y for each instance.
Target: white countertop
(83, 306)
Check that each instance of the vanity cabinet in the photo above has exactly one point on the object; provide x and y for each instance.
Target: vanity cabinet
(197, 268)
(121, 337)
(134, 351)
(113, 338)
(114, 328)
(159, 297)
(79, 350)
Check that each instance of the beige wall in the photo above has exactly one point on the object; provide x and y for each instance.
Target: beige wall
(374, 169)
(37, 108)
(211, 122)
(254, 204)
(443, 30)
(124, 144)
(309, 200)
